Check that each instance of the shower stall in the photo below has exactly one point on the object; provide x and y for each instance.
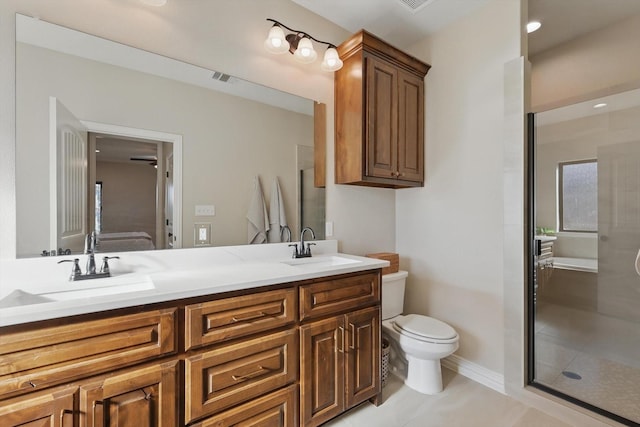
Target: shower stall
(584, 329)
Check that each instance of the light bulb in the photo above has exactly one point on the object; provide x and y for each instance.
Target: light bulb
(305, 52)
(331, 60)
(276, 42)
(533, 26)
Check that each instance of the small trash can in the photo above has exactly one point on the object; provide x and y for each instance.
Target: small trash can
(386, 350)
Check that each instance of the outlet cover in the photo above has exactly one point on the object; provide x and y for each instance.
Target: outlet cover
(202, 234)
(205, 210)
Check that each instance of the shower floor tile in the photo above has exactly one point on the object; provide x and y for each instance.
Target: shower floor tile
(603, 351)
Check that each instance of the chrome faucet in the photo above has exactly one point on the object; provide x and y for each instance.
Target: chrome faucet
(288, 230)
(89, 250)
(302, 251)
(91, 273)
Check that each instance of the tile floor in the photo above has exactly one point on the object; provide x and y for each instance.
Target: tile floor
(463, 403)
(604, 351)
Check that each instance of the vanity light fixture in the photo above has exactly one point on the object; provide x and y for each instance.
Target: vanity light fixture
(299, 43)
(601, 105)
(533, 26)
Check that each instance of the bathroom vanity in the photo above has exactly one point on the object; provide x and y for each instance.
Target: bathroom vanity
(254, 338)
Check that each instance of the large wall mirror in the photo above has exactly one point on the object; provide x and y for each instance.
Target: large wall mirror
(144, 149)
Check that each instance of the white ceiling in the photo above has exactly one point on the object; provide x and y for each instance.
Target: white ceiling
(563, 20)
(393, 21)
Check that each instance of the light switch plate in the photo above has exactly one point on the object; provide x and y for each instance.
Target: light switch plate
(205, 210)
(328, 228)
(202, 234)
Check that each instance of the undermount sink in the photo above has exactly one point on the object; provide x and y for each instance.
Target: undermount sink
(321, 261)
(80, 289)
(101, 287)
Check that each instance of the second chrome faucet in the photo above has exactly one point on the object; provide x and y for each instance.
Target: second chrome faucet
(303, 251)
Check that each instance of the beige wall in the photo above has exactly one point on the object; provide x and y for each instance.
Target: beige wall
(450, 233)
(128, 197)
(591, 66)
(199, 33)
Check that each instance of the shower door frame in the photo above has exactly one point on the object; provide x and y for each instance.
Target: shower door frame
(530, 254)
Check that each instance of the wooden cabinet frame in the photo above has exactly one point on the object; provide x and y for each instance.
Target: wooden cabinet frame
(379, 115)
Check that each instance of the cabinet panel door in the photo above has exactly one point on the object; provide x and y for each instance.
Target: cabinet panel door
(232, 374)
(410, 127)
(382, 118)
(54, 408)
(321, 371)
(278, 409)
(141, 397)
(362, 353)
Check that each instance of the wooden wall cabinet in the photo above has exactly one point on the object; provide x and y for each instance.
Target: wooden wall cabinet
(340, 354)
(379, 115)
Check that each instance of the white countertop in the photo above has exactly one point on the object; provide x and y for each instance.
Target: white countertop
(159, 276)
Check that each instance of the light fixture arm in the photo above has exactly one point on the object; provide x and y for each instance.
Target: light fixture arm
(301, 33)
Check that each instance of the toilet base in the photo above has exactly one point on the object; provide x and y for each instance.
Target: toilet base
(424, 376)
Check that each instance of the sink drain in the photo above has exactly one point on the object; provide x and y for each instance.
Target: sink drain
(571, 375)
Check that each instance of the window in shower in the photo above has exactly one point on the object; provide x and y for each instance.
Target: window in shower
(578, 195)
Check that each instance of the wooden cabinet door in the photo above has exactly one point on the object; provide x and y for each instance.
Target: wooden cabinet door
(54, 408)
(410, 127)
(381, 118)
(321, 371)
(140, 397)
(362, 354)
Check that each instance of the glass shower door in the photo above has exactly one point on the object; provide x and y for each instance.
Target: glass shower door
(585, 334)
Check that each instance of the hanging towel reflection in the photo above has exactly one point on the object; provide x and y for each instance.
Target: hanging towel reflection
(277, 215)
(258, 220)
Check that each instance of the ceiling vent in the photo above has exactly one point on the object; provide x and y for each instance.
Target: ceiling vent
(217, 75)
(414, 6)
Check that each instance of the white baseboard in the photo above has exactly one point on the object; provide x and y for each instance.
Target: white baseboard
(475, 372)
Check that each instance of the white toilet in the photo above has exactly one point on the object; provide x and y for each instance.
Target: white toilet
(417, 342)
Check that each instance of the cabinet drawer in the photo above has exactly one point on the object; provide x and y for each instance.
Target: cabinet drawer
(278, 409)
(41, 408)
(335, 296)
(229, 375)
(229, 318)
(48, 356)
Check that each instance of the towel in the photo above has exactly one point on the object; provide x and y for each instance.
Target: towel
(277, 216)
(258, 224)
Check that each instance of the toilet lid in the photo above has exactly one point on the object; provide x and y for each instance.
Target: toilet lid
(427, 327)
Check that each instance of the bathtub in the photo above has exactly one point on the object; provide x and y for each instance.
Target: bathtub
(586, 265)
(573, 283)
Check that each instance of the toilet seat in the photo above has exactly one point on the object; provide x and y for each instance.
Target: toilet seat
(424, 328)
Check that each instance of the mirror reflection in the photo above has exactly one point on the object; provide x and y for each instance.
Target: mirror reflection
(170, 147)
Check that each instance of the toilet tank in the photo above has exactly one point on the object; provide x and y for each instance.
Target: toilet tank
(393, 294)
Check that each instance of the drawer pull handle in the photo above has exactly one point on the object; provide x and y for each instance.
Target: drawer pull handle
(96, 403)
(250, 375)
(236, 319)
(62, 414)
(147, 396)
(352, 338)
(32, 384)
(341, 340)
